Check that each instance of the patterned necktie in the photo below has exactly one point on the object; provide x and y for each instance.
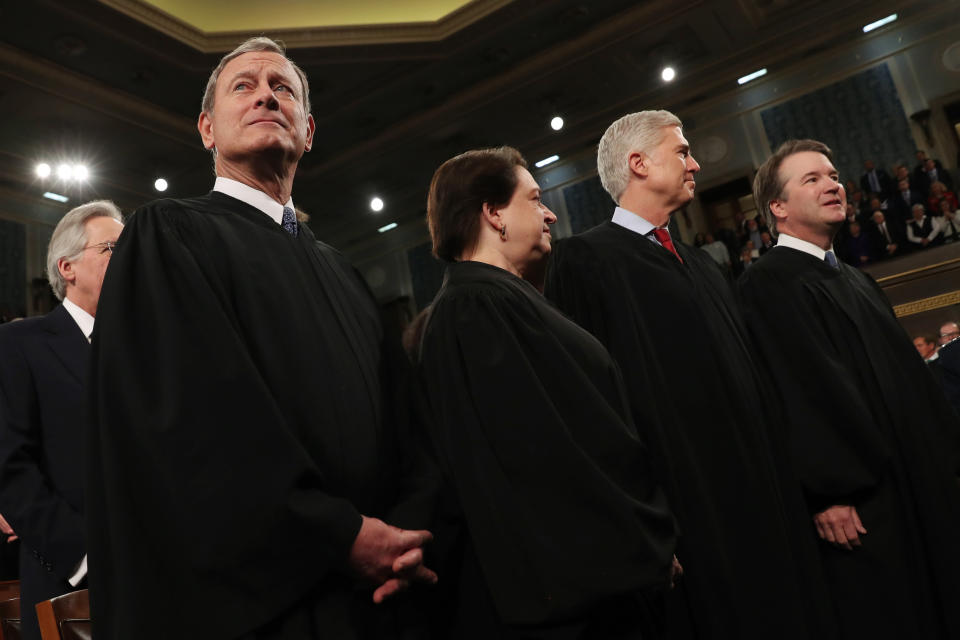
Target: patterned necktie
(663, 237)
(289, 222)
(831, 260)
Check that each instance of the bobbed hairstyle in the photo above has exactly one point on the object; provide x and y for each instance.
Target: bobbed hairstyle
(768, 183)
(458, 191)
(70, 237)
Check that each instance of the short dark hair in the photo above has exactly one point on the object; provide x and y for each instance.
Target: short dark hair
(768, 184)
(929, 338)
(458, 191)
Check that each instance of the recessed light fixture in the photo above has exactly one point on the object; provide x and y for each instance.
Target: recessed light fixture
(80, 172)
(42, 170)
(751, 76)
(879, 23)
(387, 227)
(557, 123)
(160, 184)
(668, 74)
(376, 204)
(55, 196)
(64, 172)
(546, 161)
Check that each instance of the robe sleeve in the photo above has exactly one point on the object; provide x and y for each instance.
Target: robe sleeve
(552, 481)
(192, 469)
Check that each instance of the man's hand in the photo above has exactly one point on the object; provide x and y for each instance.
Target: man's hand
(840, 525)
(389, 557)
(676, 572)
(7, 530)
(891, 248)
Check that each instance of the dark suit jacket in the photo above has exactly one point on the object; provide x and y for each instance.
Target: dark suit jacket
(950, 368)
(43, 364)
(887, 186)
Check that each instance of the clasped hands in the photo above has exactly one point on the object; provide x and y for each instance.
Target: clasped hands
(389, 557)
(840, 525)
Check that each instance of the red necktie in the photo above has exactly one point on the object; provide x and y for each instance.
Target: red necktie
(663, 237)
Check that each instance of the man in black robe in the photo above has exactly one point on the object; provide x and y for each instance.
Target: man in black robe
(237, 431)
(870, 432)
(667, 315)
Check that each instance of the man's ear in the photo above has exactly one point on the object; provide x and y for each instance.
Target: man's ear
(311, 127)
(65, 267)
(639, 163)
(205, 127)
(778, 209)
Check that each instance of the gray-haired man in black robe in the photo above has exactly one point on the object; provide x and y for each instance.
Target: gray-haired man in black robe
(871, 434)
(239, 448)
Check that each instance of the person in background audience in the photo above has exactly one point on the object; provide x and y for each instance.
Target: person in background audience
(718, 251)
(888, 237)
(876, 180)
(949, 222)
(859, 202)
(859, 249)
(663, 308)
(938, 194)
(241, 449)
(930, 171)
(922, 231)
(877, 453)
(753, 233)
(949, 331)
(926, 346)
(766, 241)
(904, 200)
(43, 371)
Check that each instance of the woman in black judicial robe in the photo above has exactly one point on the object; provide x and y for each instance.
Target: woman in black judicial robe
(554, 526)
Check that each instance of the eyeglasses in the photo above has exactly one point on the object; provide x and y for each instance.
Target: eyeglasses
(950, 333)
(103, 247)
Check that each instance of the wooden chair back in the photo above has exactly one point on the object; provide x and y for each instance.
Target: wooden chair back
(9, 589)
(10, 619)
(65, 617)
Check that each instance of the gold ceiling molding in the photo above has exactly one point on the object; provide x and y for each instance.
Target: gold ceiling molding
(927, 304)
(220, 42)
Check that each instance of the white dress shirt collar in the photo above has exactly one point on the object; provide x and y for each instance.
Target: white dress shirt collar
(253, 197)
(630, 220)
(784, 240)
(83, 319)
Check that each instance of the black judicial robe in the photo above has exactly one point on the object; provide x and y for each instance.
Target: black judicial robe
(563, 524)
(867, 426)
(702, 407)
(236, 431)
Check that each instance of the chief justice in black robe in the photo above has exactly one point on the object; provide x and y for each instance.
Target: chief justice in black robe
(561, 530)
(237, 431)
(872, 437)
(666, 313)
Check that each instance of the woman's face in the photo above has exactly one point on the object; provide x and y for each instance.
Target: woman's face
(527, 221)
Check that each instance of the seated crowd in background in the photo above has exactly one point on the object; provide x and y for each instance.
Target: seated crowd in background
(886, 217)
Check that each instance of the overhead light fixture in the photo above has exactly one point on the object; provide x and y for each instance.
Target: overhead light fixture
(80, 172)
(160, 184)
(546, 161)
(387, 227)
(64, 172)
(55, 196)
(751, 76)
(668, 74)
(557, 123)
(879, 23)
(43, 170)
(376, 204)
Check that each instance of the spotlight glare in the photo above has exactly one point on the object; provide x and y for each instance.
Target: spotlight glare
(387, 227)
(668, 74)
(80, 172)
(546, 161)
(376, 204)
(64, 172)
(751, 76)
(43, 170)
(160, 184)
(879, 23)
(557, 123)
(55, 196)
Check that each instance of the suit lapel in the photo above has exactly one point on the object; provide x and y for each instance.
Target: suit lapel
(67, 342)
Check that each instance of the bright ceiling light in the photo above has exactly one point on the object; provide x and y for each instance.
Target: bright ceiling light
(751, 76)
(376, 204)
(43, 170)
(546, 161)
(879, 23)
(55, 196)
(557, 123)
(160, 184)
(668, 74)
(80, 172)
(387, 227)
(64, 172)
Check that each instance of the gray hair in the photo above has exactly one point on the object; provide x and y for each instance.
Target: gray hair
(259, 43)
(641, 131)
(70, 237)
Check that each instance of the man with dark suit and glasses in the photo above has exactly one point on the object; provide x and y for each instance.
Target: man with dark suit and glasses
(43, 366)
